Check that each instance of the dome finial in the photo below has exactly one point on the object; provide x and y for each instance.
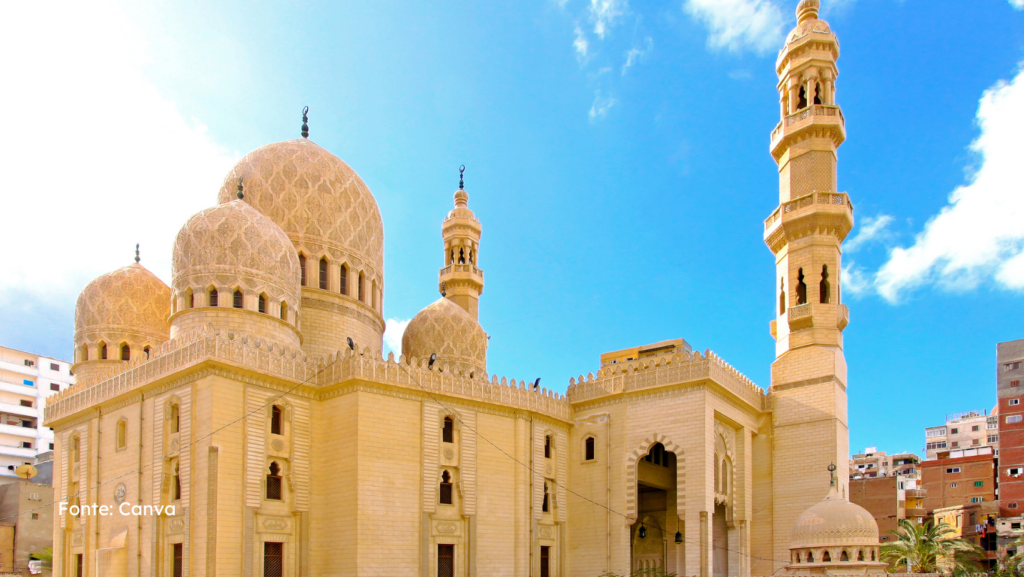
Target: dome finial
(807, 10)
(462, 183)
(444, 288)
(137, 259)
(832, 474)
(305, 122)
(239, 193)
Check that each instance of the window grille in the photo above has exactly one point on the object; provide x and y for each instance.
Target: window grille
(344, 280)
(237, 299)
(448, 432)
(446, 561)
(302, 268)
(446, 488)
(545, 561)
(323, 273)
(263, 304)
(178, 567)
(274, 482)
(273, 559)
(275, 420)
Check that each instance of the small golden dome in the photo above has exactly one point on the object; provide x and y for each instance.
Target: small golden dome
(834, 522)
(232, 244)
(318, 200)
(807, 10)
(807, 21)
(445, 328)
(128, 302)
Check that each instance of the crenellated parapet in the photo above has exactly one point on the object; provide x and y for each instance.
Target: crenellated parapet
(665, 371)
(312, 376)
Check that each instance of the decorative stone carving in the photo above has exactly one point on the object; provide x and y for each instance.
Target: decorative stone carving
(277, 445)
(445, 328)
(176, 524)
(269, 524)
(120, 492)
(449, 454)
(318, 200)
(446, 528)
(233, 244)
(129, 303)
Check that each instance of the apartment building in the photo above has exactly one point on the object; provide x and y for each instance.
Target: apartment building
(26, 380)
(889, 499)
(960, 477)
(1009, 373)
(974, 523)
(873, 463)
(965, 430)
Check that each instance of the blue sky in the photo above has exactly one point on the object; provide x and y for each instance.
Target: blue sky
(616, 153)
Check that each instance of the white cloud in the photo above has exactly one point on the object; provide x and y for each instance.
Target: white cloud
(740, 74)
(604, 13)
(634, 54)
(978, 235)
(855, 281)
(872, 229)
(601, 106)
(1017, 4)
(580, 44)
(739, 24)
(95, 158)
(393, 332)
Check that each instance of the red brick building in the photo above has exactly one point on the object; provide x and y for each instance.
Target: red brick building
(967, 477)
(1009, 374)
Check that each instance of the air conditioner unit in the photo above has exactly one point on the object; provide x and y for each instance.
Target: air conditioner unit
(29, 363)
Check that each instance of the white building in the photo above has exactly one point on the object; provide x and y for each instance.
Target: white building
(26, 380)
(968, 430)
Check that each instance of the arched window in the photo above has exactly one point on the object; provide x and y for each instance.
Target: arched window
(817, 93)
(84, 354)
(146, 349)
(284, 311)
(451, 258)
(361, 287)
(323, 273)
(547, 446)
(275, 420)
(446, 489)
(238, 299)
(122, 434)
(589, 449)
(462, 256)
(262, 304)
(782, 296)
(544, 504)
(126, 352)
(860, 555)
(103, 351)
(872, 554)
(824, 289)
(802, 103)
(302, 269)
(213, 297)
(471, 256)
(658, 456)
(448, 431)
(801, 288)
(843, 556)
(75, 452)
(343, 280)
(190, 299)
(176, 495)
(826, 558)
(810, 557)
(175, 419)
(274, 482)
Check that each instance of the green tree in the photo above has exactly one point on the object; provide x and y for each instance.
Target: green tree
(923, 548)
(46, 556)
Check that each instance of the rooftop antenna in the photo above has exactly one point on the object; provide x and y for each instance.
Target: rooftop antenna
(137, 259)
(305, 122)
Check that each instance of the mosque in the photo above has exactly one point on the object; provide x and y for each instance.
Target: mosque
(250, 405)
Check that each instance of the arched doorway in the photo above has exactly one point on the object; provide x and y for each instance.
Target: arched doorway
(654, 533)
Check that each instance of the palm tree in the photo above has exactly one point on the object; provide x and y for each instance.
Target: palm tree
(923, 548)
(46, 556)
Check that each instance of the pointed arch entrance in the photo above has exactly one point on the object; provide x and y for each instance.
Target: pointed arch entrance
(654, 495)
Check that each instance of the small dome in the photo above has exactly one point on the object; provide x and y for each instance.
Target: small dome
(318, 200)
(445, 328)
(130, 302)
(834, 522)
(807, 21)
(232, 244)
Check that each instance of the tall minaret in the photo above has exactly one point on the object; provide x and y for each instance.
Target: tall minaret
(805, 233)
(461, 279)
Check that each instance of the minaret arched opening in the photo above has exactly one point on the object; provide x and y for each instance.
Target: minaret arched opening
(824, 289)
(801, 288)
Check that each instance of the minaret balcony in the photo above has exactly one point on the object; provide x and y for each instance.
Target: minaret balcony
(814, 213)
(804, 316)
(823, 119)
(461, 270)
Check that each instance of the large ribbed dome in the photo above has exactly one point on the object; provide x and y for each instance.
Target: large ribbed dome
(443, 327)
(233, 245)
(318, 200)
(834, 522)
(128, 301)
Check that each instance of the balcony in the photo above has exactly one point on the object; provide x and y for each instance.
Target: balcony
(818, 116)
(18, 452)
(31, 412)
(916, 513)
(916, 493)
(461, 268)
(28, 432)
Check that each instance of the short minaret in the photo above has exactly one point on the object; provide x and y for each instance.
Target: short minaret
(805, 234)
(461, 280)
